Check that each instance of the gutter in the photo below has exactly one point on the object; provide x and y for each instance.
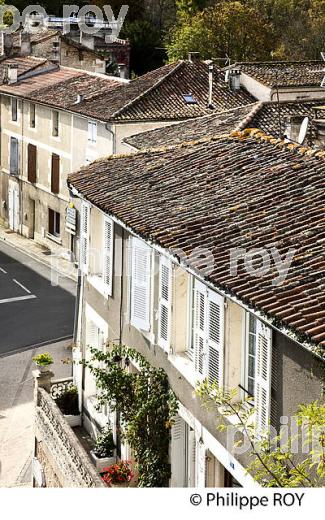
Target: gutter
(282, 330)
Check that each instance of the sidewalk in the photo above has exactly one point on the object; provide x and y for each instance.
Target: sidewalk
(17, 411)
(38, 252)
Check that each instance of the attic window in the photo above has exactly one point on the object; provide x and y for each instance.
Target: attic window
(189, 99)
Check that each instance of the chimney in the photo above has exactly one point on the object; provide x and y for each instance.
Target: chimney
(10, 74)
(55, 58)
(319, 125)
(193, 57)
(7, 44)
(293, 125)
(210, 64)
(25, 46)
(123, 70)
(234, 79)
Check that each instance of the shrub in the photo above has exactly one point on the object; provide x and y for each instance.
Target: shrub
(104, 446)
(68, 401)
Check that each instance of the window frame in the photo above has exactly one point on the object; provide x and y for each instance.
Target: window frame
(56, 223)
(92, 132)
(32, 111)
(14, 109)
(247, 356)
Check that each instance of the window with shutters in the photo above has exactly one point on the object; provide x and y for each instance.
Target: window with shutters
(32, 163)
(32, 115)
(55, 123)
(14, 156)
(108, 244)
(208, 333)
(55, 174)
(258, 370)
(92, 132)
(140, 284)
(84, 237)
(14, 109)
(165, 301)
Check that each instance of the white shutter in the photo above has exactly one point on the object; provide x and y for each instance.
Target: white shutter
(201, 464)
(178, 453)
(215, 335)
(84, 237)
(91, 334)
(108, 241)
(263, 377)
(165, 296)
(191, 458)
(11, 207)
(200, 339)
(16, 210)
(140, 285)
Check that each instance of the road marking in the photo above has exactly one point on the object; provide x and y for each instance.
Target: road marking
(21, 285)
(19, 298)
(3, 271)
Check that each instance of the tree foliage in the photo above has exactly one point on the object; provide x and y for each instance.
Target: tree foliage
(284, 459)
(249, 29)
(146, 406)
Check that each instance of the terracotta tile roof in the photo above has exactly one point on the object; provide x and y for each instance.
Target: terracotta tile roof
(220, 123)
(262, 115)
(285, 73)
(244, 191)
(158, 95)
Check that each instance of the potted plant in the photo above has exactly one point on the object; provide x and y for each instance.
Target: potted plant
(43, 361)
(119, 474)
(103, 454)
(68, 403)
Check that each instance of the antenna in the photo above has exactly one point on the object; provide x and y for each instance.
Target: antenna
(303, 130)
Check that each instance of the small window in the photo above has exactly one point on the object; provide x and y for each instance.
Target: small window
(14, 109)
(55, 123)
(189, 99)
(54, 223)
(92, 131)
(32, 112)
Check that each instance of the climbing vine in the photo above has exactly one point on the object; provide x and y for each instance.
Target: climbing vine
(146, 406)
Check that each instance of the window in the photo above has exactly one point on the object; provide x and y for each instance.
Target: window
(54, 223)
(189, 99)
(32, 115)
(14, 156)
(165, 296)
(208, 333)
(55, 123)
(14, 109)
(258, 368)
(55, 173)
(140, 284)
(92, 131)
(32, 163)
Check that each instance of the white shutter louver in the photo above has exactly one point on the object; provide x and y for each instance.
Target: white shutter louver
(84, 237)
(201, 464)
(140, 285)
(165, 295)
(178, 453)
(91, 334)
(199, 328)
(263, 377)
(108, 241)
(215, 335)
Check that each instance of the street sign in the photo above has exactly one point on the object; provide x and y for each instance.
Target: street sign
(71, 220)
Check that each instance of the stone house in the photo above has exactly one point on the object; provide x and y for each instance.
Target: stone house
(158, 230)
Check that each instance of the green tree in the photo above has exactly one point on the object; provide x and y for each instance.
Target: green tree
(275, 461)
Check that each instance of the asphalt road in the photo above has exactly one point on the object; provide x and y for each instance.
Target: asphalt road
(32, 311)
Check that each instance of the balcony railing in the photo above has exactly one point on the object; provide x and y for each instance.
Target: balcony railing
(67, 456)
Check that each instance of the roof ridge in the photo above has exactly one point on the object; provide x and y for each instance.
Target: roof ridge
(156, 84)
(256, 108)
(259, 135)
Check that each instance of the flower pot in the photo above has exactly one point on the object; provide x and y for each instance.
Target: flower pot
(73, 420)
(44, 368)
(102, 463)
